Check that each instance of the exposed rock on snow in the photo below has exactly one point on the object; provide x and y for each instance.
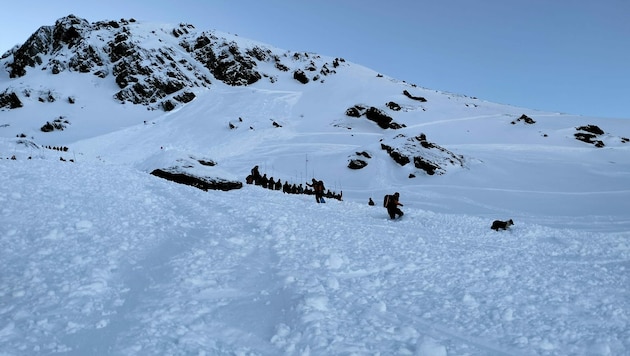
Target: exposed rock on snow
(10, 100)
(57, 124)
(372, 113)
(524, 118)
(204, 183)
(357, 161)
(419, 98)
(426, 156)
(357, 164)
(590, 134)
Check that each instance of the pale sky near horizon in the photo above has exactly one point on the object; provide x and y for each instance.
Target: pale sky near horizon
(569, 56)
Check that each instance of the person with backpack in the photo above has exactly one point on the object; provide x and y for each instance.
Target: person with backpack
(391, 202)
(318, 189)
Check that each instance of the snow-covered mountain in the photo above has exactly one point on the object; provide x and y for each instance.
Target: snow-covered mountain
(108, 259)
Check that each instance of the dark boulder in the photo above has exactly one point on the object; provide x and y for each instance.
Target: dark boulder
(376, 115)
(203, 183)
(589, 134)
(355, 111)
(383, 120)
(589, 138)
(357, 164)
(594, 129)
(10, 100)
(425, 165)
(300, 76)
(393, 106)
(396, 155)
(524, 118)
(419, 98)
(185, 97)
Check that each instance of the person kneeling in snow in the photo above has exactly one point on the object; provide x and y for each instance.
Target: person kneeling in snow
(392, 203)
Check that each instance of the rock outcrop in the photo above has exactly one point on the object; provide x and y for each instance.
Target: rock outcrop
(161, 69)
(426, 156)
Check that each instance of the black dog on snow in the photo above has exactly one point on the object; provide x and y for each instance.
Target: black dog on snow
(498, 224)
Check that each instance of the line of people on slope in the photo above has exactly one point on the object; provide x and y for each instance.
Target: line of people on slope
(316, 187)
(391, 202)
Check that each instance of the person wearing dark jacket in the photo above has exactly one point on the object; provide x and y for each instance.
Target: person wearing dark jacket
(392, 206)
(264, 180)
(318, 189)
(255, 175)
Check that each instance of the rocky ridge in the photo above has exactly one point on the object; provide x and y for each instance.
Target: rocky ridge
(160, 76)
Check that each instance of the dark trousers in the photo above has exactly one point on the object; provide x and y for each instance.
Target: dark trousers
(393, 211)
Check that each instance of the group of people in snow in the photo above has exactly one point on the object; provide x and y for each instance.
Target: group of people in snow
(316, 187)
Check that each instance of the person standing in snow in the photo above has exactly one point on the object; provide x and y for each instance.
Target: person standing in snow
(392, 206)
(264, 180)
(318, 189)
(255, 175)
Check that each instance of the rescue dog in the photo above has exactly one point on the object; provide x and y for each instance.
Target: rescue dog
(498, 224)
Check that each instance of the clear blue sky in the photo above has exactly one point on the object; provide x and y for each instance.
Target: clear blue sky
(570, 56)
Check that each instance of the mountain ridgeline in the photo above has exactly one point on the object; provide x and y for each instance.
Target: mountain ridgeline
(159, 76)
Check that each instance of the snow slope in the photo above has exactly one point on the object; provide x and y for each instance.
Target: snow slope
(99, 257)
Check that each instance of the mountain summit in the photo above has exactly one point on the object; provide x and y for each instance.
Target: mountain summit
(156, 66)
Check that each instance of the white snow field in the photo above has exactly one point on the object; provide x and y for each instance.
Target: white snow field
(101, 258)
